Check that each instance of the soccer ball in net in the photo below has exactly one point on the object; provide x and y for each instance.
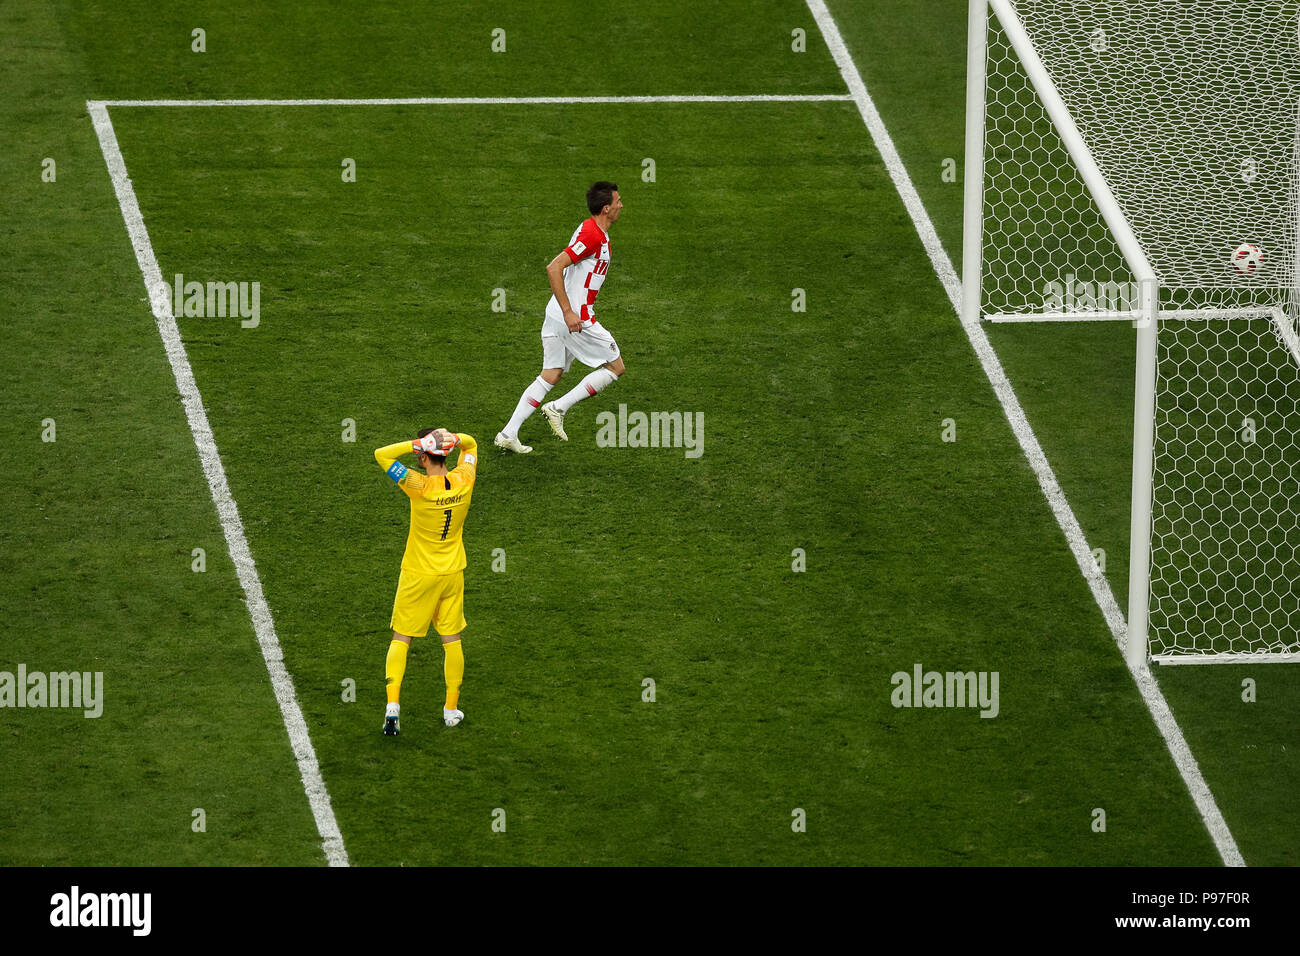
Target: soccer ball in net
(1247, 257)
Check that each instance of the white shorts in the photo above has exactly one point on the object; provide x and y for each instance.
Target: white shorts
(591, 345)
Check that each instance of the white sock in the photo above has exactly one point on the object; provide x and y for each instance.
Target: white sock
(528, 403)
(588, 387)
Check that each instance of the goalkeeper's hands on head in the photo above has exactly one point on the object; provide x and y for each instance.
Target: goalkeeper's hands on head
(437, 442)
(430, 444)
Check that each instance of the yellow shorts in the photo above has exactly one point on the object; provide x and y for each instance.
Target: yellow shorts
(422, 599)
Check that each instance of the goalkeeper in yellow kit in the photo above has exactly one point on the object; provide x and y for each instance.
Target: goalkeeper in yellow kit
(431, 589)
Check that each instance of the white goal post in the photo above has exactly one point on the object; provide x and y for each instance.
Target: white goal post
(1136, 160)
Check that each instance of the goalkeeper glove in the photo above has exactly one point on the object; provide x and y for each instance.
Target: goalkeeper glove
(428, 445)
(431, 445)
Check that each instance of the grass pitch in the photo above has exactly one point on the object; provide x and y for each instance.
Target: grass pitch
(772, 688)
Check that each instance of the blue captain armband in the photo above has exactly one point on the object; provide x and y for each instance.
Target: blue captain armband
(397, 471)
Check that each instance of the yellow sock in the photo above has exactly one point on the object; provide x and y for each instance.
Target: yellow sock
(395, 668)
(453, 669)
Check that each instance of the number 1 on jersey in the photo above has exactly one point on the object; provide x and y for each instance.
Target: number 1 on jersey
(446, 525)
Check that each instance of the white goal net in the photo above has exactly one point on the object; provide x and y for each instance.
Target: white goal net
(1138, 161)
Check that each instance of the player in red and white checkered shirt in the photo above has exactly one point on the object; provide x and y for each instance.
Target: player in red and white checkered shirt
(570, 329)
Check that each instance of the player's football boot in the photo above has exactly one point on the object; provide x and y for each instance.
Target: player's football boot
(556, 419)
(392, 726)
(511, 444)
(452, 717)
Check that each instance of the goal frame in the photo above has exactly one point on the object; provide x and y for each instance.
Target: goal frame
(1145, 317)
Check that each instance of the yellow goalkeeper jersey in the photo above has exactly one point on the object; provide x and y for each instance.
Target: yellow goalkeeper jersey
(439, 504)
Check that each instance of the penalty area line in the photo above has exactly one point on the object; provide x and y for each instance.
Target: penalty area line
(263, 625)
(1152, 696)
(499, 100)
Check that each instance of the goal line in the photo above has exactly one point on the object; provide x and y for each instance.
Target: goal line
(1150, 692)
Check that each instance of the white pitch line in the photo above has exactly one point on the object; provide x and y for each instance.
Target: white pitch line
(1152, 696)
(236, 542)
(498, 100)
